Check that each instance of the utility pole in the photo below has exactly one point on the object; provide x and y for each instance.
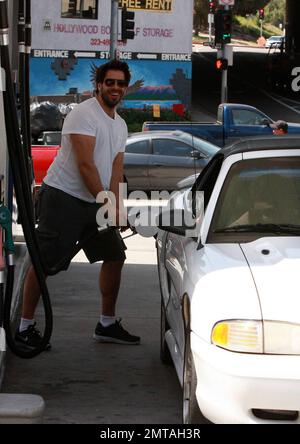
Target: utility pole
(210, 19)
(224, 85)
(261, 28)
(223, 30)
(114, 30)
(261, 14)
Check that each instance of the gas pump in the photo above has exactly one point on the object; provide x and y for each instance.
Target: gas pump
(18, 147)
(2, 280)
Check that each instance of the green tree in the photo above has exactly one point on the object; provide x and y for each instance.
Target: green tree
(275, 12)
(241, 7)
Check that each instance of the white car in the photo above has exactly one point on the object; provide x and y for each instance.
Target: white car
(230, 298)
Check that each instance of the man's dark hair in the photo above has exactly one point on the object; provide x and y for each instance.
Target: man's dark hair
(280, 124)
(116, 65)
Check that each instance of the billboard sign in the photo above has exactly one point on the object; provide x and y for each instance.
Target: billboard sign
(85, 25)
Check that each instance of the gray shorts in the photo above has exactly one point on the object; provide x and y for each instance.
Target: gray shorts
(65, 224)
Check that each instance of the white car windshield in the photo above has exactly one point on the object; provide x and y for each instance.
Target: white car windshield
(259, 196)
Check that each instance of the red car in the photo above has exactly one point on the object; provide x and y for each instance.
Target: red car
(42, 156)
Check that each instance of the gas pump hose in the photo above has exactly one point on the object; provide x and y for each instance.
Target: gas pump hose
(24, 202)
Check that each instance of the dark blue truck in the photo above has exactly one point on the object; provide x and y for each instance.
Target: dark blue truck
(234, 121)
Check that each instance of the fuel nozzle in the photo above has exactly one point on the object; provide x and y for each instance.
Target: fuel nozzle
(6, 224)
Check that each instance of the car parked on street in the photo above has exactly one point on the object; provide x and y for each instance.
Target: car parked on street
(275, 41)
(157, 160)
(234, 121)
(154, 160)
(230, 302)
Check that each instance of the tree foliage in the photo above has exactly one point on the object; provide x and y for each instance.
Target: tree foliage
(241, 7)
(275, 12)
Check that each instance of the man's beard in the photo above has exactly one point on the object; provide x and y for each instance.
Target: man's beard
(108, 102)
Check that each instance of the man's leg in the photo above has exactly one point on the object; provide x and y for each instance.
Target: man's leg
(111, 330)
(27, 334)
(31, 294)
(109, 283)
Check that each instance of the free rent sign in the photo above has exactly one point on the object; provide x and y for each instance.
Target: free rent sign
(161, 26)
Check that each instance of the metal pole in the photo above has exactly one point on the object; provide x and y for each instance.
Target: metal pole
(261, 27)
(224, 87)
(209, 27)
(114, 29)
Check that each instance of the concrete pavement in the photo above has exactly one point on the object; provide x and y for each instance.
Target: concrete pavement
(85, 382)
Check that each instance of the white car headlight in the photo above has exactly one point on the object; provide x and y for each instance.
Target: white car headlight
(269, 337)
(281, 338)
(240, 336)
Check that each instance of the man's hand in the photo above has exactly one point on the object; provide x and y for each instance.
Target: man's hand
(121, 220)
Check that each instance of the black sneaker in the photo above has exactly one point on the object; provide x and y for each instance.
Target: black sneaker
(115, 333)
(30, 337)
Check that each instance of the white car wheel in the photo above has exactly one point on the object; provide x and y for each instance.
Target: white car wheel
(190, 409)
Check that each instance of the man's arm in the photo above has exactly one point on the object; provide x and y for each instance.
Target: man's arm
(117, 178)
(83, 147)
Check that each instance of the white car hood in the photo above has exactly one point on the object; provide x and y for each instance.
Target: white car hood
(221, 286)
(275, 267)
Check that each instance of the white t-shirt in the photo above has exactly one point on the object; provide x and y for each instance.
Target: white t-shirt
(90, 119)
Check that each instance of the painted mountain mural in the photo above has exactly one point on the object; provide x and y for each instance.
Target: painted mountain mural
(163, 92)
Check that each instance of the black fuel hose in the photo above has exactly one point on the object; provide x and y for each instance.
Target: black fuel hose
(26, 142)
(1, 304)
(2, 280)
(1, 300)
(23, 201)
(27, 77)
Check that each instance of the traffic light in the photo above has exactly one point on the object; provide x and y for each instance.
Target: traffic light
(221, 64)
(261, 13)
(212, 7)
(127, 31)
(223, 23)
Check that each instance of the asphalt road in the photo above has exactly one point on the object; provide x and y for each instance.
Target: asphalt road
(247, 83)
(84, 382)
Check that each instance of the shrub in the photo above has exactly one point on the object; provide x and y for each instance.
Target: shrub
(136, 117)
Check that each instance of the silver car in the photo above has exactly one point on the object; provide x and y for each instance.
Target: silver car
(157, 160)
(276, 41)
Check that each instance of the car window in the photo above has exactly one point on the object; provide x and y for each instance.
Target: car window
(140, 147)
(206, 148)
(246, 117)
(259, 191)
(193, 142)
(52, 138)
(206, 180)
(171, 147)
(220, 114)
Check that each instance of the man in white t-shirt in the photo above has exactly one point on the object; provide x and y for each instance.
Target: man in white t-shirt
(89, 162)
